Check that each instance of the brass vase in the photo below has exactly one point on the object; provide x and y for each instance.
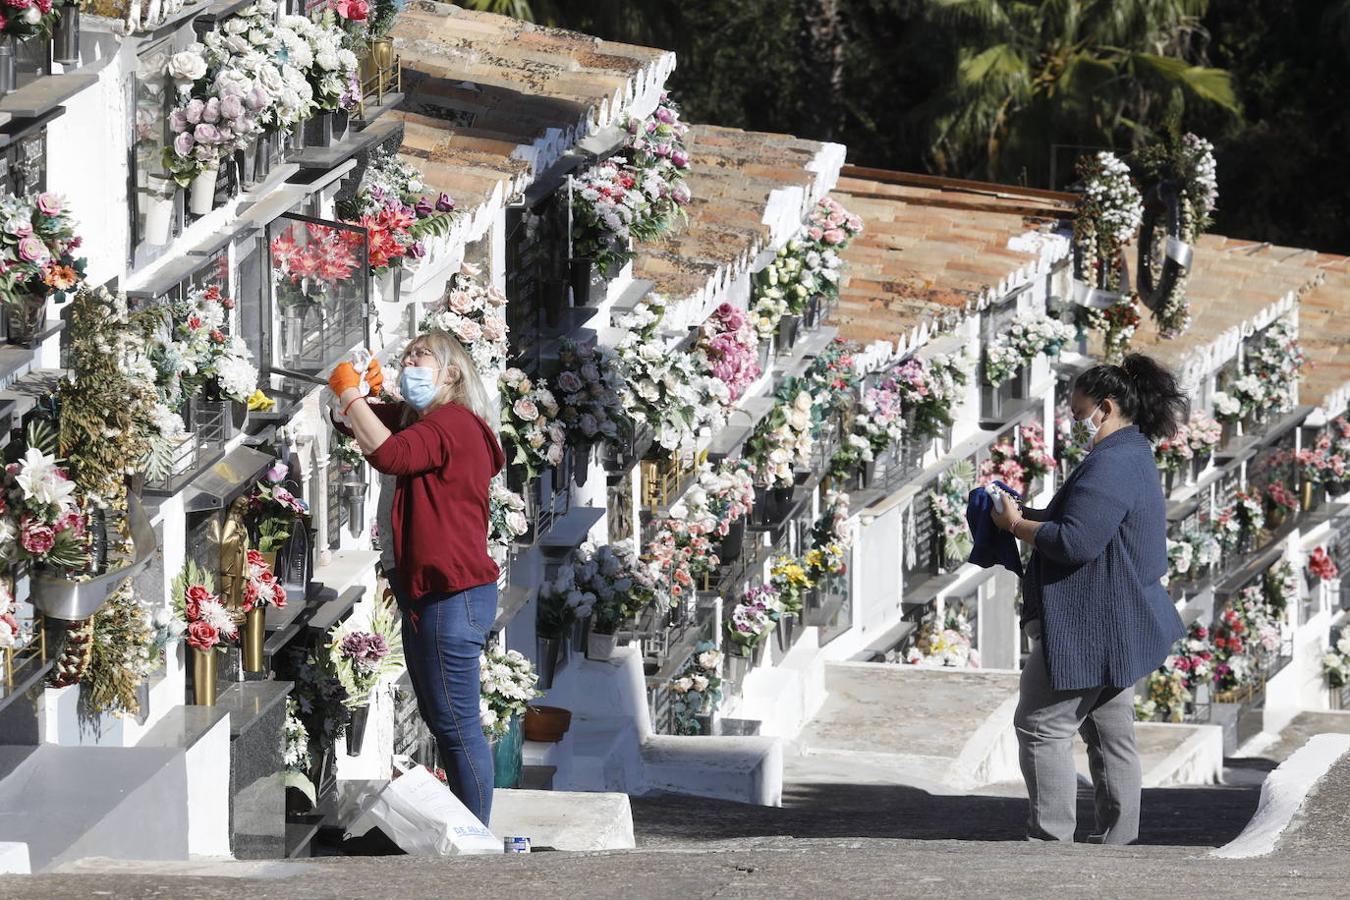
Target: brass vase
(1306, 494)
(382, 51)
(255, 632)
(204, 677)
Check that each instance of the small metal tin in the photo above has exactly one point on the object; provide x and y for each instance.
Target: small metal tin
(516, 845)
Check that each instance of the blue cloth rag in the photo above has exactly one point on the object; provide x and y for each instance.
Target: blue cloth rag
(992, 545)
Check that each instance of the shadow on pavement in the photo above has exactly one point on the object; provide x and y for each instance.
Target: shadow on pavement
(1203, 817)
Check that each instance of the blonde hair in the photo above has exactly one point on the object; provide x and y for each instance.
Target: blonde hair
(467, 389)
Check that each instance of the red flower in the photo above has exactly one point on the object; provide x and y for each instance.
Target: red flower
(278, 596)
(197, 593)
(202, 635)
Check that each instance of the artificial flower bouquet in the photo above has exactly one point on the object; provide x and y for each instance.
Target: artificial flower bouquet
(1110, 211)
(507, 685)
(947, 644)
(658, 160)
(37, 247)
(948, 502)
(273, 511)
(360, 657)
(1322, 565)
(831, 226)
(41, 521)
(1203, 435)
(589, 386)
(328, 65)
(607, 202)
(724, 492)
(609, 583)
(730, 345)
(220, 107)
(309, 261)
(791, 580)
(207, 621)
(752, 618)
(261, 587)
(475, 314)
(697, 689)
(506, 515)
(390, 205)
(530, 421)
(782, 440)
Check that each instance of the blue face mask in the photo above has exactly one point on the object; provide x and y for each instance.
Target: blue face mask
(418, 386)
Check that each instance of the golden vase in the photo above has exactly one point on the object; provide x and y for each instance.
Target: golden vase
(1306, 494)
(255, 632)
(204, 677)
(382, 51)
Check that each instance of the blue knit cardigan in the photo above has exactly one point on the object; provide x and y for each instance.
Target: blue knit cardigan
(1094, 579)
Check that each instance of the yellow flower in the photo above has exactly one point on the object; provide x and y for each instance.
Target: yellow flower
(260, 402)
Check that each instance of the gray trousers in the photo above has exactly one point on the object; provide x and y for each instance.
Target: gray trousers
(1046, 720)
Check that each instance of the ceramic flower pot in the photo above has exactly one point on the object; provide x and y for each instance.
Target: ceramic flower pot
(356, 729)
(158, 220)
(546, 724)
(600, 647)
(203, 677)
(202, 196)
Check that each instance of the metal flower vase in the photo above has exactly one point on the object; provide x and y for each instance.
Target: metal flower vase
(255, 634)
(356, 729)
(8, 80)
(203, 677)
(66, 36)
(548, 651)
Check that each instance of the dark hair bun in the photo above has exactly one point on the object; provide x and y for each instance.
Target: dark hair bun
(1148, 394)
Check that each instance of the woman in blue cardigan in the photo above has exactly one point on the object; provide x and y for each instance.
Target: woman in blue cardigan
(1094, 607)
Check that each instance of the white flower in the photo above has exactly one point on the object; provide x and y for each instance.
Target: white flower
(186, 66)
(41, 482)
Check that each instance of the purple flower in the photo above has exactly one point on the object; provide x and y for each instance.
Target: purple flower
(417, 250)
(664, 115)
(365, 651)
(231, 107)
(277, 472)
(206, 134)
(211, 112)
(32, 250)
(48, 203)
(444, 203)
(177, 121)
(680, 158)
(193, 111)
(423, 208)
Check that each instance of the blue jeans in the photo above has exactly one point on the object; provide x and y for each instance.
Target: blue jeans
(443, 636)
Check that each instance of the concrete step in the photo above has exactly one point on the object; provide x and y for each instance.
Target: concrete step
(1171, 754)
(903, 724)
(537, 778)
(203, 734)
(65, 803)
(564, 820)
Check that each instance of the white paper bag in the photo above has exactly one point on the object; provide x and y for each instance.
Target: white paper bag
(424, 818)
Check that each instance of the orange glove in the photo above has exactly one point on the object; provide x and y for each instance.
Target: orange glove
(375, 377)
(344, 377)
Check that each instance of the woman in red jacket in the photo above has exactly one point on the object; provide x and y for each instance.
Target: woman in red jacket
(444, 452)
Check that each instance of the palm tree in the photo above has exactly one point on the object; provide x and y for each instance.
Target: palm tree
(1027, 75)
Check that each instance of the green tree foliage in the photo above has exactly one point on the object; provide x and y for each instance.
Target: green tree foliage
(986, 88)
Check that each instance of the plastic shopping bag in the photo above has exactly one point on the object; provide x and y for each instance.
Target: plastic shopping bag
(424, 818)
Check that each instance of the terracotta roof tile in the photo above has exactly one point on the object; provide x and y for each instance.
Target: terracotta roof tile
(490, 99)
(731, 176)
(1324, 332)
(929, 248)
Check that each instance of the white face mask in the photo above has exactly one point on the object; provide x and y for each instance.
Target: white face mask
(1084, 430)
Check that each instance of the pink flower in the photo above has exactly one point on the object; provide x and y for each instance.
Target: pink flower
(36, 537)
(32, 250)
(211, 112)
(206, 134)
(193, 111)
(182, 145)
(461, 302)
(48, 203)
(231, 107)
(494, 329)
(202, 635)
(355, 10)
